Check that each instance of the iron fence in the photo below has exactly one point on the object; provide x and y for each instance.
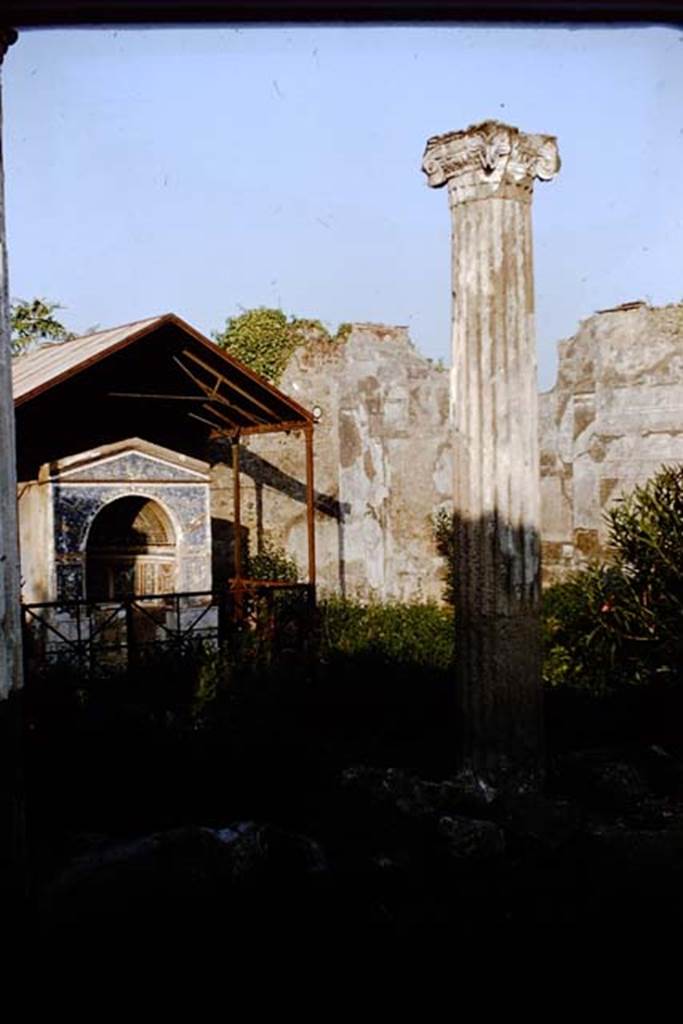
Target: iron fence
(97, 637)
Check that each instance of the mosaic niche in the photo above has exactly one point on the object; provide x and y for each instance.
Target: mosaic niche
(130, 525)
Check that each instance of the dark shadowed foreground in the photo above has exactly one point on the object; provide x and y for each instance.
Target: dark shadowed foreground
(320, 803)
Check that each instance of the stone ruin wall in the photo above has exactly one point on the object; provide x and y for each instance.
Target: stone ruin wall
(382, 466)
(614, 417)
(383, 450)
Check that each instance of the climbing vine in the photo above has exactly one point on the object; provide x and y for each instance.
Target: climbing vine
(265, 339)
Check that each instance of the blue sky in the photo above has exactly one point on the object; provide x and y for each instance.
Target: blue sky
(206, 171)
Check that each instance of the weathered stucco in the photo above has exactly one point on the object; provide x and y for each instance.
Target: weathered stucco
(614, 417)
(383, 450)
(382, 467)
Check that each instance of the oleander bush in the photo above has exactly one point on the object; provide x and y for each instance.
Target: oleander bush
(619, 622)
(586, 624)
(646, 532)
(622, 622)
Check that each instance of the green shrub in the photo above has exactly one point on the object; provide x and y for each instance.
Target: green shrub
(272, 563)
(623, 622)
(587, 629)
(414, 635)
(443, 525)
(646, 534)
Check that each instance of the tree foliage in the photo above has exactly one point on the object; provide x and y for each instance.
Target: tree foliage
(34, 322)
(265, 339)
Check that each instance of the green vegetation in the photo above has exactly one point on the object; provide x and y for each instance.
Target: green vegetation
(265, 339)
(443, 525)
(616, 624)
(349, 649)
(646, 530)
(585, 620)
(33, 322)
(605, 630)
(622, 623)
(272, 563)
(414, 635)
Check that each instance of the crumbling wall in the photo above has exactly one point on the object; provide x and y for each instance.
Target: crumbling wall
(382, 466)
(614, 417)
(383, 453)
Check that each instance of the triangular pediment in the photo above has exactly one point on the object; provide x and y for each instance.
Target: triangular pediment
(131, 461)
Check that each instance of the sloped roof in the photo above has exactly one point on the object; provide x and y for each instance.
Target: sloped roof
(233, 398)
(50, 363)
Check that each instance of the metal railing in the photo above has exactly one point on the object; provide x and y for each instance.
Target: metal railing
(97, 637)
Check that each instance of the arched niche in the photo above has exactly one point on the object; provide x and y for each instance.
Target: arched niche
(131, 550)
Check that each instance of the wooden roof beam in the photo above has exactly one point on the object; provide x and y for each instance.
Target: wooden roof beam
(213, 395)
(235, 387)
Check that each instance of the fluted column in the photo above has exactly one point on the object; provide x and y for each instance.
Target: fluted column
(12, 831)
(490, 170)
(10, 626)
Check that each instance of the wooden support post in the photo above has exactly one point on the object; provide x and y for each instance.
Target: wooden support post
(237, 508)
(310, 504)
(237, 526)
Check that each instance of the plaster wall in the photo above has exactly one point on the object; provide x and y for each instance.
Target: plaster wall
(383, 463)
(35, 539)
(614, 417)
(383, 451)
(382, 466)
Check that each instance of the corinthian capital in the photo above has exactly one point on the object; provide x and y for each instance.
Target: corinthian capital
(490, 159)
(7, 37)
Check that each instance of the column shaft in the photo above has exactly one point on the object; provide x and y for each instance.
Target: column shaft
(12, 820)
(10, 612)
(490, 169)
(496, 485)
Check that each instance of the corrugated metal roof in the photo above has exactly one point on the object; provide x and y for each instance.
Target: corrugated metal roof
(266, 407)
(49, 363)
